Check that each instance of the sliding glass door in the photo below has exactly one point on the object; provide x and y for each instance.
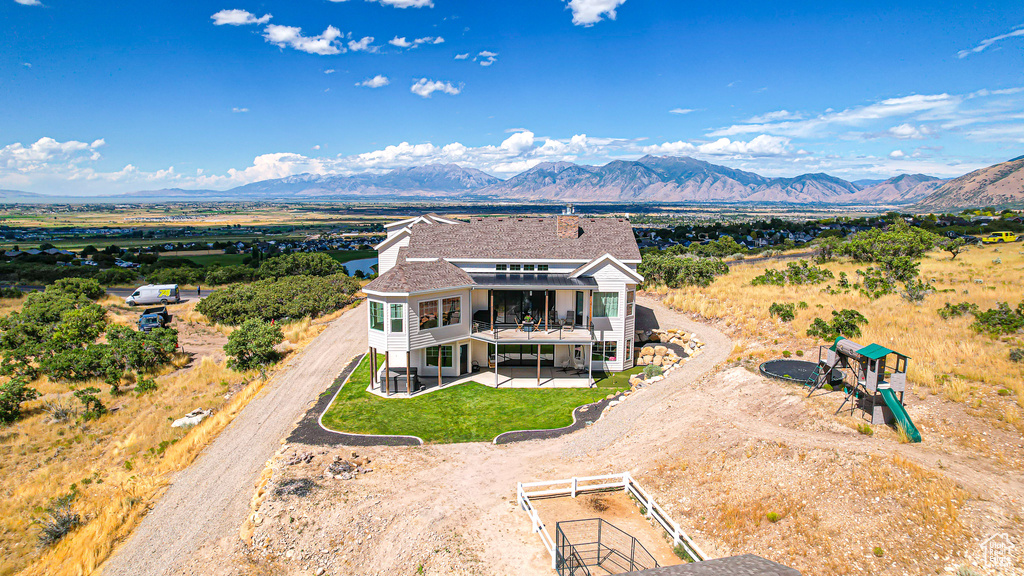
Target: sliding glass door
(511, 306)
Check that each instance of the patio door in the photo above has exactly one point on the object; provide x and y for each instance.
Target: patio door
(463, 359)
(579, 308)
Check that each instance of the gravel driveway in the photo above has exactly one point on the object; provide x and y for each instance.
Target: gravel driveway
(208, 501)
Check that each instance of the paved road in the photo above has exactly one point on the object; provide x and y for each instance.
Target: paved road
(209, 500)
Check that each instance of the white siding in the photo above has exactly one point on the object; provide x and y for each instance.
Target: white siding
(442, 334)
(387, 258)
(611, 279)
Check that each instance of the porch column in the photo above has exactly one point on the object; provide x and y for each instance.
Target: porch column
(387, 374)
(547, 325)
(373, 369)
(490, 294)
(538, 365)
(439, 365)
(496, 383)
(408, 373)
(590, 315)
(590, 376)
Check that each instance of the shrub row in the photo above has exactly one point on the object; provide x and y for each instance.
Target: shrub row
(289, 297)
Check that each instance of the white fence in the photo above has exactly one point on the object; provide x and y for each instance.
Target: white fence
(574, 486)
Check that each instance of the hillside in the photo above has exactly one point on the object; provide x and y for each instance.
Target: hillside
(902, 189)
(1000, 185)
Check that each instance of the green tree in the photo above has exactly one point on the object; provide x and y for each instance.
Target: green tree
(954, 246)
(93, 406)
(252, 344)
(87, 287)
(299, 264)
(13, 393)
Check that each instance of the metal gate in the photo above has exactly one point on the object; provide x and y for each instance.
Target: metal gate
(593, 542)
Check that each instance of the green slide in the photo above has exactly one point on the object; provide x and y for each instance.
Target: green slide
(900, 414)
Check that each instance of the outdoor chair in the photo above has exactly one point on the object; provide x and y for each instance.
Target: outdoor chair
(565, 364)
(579, 365)
(567, 322)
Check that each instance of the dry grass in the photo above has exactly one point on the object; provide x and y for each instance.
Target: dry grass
(819, 511)
(118, 464)
(947, 356)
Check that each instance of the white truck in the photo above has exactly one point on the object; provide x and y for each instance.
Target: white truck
(154, 294)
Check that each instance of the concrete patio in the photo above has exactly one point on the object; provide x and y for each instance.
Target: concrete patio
(508, 377)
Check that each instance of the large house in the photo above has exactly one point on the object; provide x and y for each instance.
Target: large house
(456, 297)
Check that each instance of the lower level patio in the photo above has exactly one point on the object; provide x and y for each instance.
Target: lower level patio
(504, 377)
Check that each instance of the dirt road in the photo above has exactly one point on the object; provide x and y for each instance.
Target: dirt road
(207, 502)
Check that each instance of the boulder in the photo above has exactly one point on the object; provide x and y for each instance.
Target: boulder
(647, 351)
(658, 360)
(664, 338)
(660, 350)
(643, 360)
(191, 419)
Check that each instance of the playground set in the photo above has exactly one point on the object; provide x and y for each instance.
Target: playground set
(876, 387)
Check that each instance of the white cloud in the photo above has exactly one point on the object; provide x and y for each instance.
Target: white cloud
(922, 105)
(590, 12)
(896, 154)
(238, 18)
(291, 36)
(775, 116)
(486, 57)
(984, 44)
(377, 81)
(909, 132)
(424, 87)
(239, 110)
(365, 44)
(26, 64)
(518, 142)
(29, 2)
(403, 42)
(406, 3)
(329, 70)
(462, 56)
(763, 145)
(680, 111)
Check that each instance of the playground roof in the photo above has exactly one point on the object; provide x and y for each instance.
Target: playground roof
(874, 351)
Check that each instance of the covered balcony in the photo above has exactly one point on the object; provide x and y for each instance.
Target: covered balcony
(533, 308)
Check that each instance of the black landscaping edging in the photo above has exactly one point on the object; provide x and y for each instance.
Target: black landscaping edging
(309, 430)
(583, 416)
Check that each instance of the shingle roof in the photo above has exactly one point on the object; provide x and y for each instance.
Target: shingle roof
(408, 277)
(524, 238)
(745, 565)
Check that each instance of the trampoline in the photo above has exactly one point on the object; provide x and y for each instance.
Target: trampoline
(799, 371)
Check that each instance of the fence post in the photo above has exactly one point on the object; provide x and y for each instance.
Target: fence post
(573, 486)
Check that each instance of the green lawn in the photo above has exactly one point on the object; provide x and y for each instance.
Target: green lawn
(465, 413)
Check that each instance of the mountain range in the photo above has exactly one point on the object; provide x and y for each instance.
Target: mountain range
(648, 179)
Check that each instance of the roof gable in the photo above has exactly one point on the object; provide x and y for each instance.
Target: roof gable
(609, 259)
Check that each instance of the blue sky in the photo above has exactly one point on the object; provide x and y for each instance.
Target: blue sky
(106, 97)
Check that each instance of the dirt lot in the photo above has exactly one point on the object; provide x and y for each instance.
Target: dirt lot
(742, 463)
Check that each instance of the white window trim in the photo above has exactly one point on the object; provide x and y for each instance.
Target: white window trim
(391, 318)
(440, 312)
(369, 316)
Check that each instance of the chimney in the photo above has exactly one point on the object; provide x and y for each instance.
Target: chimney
(568, 226)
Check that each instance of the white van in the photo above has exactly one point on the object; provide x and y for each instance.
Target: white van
(154, 294)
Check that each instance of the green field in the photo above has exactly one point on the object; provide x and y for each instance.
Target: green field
(465, 413)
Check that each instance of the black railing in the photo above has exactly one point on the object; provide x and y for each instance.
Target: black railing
(581, 544)
(533, 330)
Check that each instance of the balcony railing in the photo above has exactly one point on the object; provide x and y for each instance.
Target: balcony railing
(534, 331)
